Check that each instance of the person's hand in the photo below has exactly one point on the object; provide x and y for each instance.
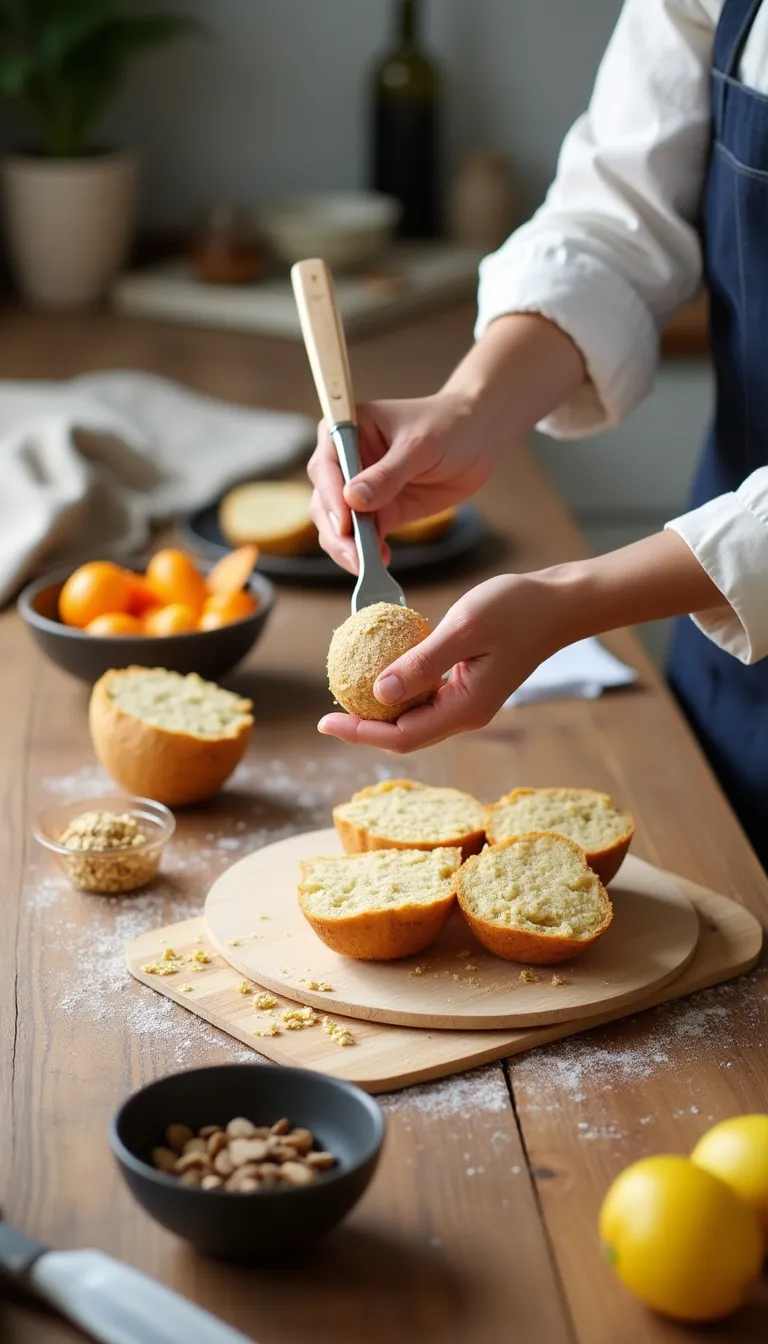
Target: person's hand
(418, 457)
(490, 641)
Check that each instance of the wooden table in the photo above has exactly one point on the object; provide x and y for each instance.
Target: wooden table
(481, 1223)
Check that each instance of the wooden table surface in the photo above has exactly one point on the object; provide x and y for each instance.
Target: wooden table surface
(481, 1222)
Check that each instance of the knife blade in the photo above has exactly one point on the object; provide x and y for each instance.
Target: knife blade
(111, 1301)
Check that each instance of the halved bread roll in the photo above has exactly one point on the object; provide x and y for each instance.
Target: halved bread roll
(587, 817)
(404, 814)
(166, 736)
(533, 899)
(379, 906)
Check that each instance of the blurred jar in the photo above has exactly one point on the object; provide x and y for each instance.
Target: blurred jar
(481, 201)
(225, 249)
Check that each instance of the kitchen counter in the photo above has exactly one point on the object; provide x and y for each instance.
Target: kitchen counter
(481, 1224)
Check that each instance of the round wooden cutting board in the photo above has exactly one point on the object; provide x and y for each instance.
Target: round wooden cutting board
(253, 918)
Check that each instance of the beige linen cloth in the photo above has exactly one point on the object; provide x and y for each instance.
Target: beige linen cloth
(86, 466)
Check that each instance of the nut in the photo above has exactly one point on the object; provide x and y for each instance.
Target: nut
(300, 1139)
(211, 1182)
(217, 1143)
(223, 1164)
(209, 1130)
(240, 1128)
(281, 1127)
(320, 1161)
(193, 1160)
(177, 1135)
(296, 1173)
(195, 1146)
(192, 1177)
(247, 1150)
(164, 1159)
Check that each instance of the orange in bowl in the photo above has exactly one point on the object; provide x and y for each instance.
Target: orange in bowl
(177, 618)
(232, 572)
(95, 589)
(223, 608)
(172, 577)
(115, 623)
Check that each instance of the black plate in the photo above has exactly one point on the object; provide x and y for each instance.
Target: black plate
(200, 531)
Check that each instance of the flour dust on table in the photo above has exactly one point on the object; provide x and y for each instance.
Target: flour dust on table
(568, 1073)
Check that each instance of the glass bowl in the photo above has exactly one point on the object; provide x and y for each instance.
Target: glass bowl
(108, 872)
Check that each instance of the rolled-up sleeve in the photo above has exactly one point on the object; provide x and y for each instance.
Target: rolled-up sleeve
(614, 251)
(729, 537)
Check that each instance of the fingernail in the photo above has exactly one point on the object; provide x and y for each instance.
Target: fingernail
(389, 689)
(335, 522)
(363, 493)
(321, 727)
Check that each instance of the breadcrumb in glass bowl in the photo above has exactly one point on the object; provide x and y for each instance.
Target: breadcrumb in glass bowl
(107, 845)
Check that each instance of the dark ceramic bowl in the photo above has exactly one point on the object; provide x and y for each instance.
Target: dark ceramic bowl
(211, 653)
(262, 1224)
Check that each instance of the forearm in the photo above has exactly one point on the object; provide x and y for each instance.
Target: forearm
(520, 371)
(650, 580)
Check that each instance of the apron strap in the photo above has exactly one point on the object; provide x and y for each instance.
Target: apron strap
(736, 19)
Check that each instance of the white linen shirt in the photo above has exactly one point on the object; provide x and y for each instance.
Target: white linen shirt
(613, 252)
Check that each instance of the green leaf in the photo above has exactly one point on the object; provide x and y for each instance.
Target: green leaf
(15, 70)
(64, 32)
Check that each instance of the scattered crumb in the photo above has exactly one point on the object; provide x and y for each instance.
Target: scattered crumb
(263, 916)
(530, 977)
(263, 1001)
(234, 942)
(296, 1019)
(417, 970)
(321, 985)
(558, 980)
(160, 968)
(186, 989)
(270, 1030)
(198, 958)
(169, 954)
(340, 1035)
(243, 987)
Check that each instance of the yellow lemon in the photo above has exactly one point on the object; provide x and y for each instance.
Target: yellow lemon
(680, 1239)
(736, 1150)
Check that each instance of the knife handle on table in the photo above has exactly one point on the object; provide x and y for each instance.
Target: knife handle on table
(324, 340)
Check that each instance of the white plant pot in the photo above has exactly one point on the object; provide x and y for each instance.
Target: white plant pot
(68, 224)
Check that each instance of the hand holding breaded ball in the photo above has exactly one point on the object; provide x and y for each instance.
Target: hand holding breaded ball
(367, 643)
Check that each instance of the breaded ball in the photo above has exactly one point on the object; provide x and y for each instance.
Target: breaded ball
(363, 647)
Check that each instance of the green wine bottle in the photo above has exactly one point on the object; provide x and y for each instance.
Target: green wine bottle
(405, 127)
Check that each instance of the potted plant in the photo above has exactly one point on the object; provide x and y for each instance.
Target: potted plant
(68, 204)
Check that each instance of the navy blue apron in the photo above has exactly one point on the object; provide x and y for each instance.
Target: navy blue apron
(725, 701)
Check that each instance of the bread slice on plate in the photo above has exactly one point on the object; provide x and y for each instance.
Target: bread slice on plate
(166, 736)
(423, 530)
(533, 899)
(379, 906)
(273, 515)
(585, 816)
(404, 814)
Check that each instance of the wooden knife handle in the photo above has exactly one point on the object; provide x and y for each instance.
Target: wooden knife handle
(324, 340)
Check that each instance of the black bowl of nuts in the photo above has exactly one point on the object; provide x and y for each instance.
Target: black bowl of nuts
(247, 1161)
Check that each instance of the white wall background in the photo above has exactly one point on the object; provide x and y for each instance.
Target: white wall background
(274, 101)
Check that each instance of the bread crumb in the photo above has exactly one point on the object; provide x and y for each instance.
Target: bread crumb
(321, 985)
(243, 987)
(340, 1035)
(263, 916)
(296, 1019)
(198, 958)
(263, 1001)
(169, 954)
(530, 977)
(161, 968)
(270, 1030)
(186, 989)
(234, 942)
(417, 970)
(558, 980)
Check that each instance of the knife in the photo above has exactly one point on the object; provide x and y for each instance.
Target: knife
(110, 1301)
(327, 353)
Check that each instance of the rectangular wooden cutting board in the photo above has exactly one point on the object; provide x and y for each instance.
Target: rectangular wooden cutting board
(384, 1058)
